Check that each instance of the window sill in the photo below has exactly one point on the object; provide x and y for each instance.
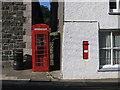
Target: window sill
(108, 69)
(114, 12)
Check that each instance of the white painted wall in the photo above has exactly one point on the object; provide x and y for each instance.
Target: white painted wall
(74, 67)
(98, 11)
(82, 22)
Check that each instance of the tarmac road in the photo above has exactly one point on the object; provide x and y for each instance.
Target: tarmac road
(47, 85)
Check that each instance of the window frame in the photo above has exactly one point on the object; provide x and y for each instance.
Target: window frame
(117, 10)
(111, 66)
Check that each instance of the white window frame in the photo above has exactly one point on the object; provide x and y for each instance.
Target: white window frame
(117, 10)
(116, 66)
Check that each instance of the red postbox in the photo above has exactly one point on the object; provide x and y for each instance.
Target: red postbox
(85, 50)
(40, 47)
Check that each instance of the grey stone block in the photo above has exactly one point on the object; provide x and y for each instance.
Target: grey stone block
(4, 12)
(6, 52)
(5, 7)
(10, 46)
(19, 13)
(6, 35)
(11, 41)
(11, 57)
(0, 41)
(13, 37)
(7, 3)
(5, 41)
(19, 37)
(18, 3)
(5, 47)
(4, 58)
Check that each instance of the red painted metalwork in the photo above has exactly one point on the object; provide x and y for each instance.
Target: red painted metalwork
(85, 50)
(40, 47)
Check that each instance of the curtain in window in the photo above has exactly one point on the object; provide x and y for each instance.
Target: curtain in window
(105, 40)
(105, 57)
(105, 44)
(116, 56)
(116, 39)
(116, 47)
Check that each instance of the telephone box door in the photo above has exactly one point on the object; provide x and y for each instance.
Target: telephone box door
(40, 49)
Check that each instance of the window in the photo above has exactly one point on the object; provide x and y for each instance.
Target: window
(109, 43)
(114, 6)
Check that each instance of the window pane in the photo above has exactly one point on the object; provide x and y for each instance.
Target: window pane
(116, 56)
(105, 40)
(113, 5)
(116, 39)
(105, 57)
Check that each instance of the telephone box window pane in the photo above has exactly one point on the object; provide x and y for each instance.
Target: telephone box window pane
(41, 64)
(40, 43)
(113, 5)
(38, 64)
(40, 52)
(40, 39)
(105, 57)
(40, 56)
(40, 48)
(38, 59)
(45, 35)
(116, 57)
(35, 36)
(45, 51)
(40, 35)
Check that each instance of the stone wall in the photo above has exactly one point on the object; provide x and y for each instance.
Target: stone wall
(15, 28)
(0, 31)
(0, 45)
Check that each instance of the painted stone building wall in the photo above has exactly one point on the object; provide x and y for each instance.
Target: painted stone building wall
(83, 22)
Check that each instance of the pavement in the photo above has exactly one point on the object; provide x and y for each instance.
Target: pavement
(8, 73)
(50, 80)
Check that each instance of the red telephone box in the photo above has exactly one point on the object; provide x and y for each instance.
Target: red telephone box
(85, 50)
(40, 47)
